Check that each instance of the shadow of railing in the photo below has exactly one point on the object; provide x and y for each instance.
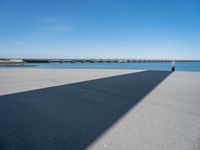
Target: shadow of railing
(71, 116)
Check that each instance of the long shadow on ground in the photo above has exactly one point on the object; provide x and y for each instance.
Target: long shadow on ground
(72, 116)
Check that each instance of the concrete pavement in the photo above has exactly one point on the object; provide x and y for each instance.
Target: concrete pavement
(99, 109)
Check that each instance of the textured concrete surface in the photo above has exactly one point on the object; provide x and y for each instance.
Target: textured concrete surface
(99, 109)
(19, 80)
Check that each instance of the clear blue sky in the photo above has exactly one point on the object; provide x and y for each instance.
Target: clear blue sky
(100, 28)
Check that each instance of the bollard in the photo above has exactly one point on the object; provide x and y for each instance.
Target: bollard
(173, 65)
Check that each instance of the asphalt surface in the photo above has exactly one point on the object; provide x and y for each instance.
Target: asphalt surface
(99, 109)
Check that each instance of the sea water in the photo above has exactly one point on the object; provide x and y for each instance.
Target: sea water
(166, 66)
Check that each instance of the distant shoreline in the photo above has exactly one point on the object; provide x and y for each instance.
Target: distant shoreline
(17, 61)
(12, 64)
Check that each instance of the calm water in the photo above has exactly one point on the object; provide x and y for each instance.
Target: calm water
(180, 66)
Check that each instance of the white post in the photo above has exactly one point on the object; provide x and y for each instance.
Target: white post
(173, 65)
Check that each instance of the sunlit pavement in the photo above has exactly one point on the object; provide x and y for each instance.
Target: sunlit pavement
(99, 109)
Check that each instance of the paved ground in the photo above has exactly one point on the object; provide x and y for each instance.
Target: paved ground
(99, 109)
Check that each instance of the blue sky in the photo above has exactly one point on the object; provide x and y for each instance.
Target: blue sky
(100, 28)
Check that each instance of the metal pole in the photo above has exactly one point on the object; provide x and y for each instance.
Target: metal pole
(173, 65)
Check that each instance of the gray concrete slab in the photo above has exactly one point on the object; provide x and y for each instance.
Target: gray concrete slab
(19, 80)
(99, 109)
